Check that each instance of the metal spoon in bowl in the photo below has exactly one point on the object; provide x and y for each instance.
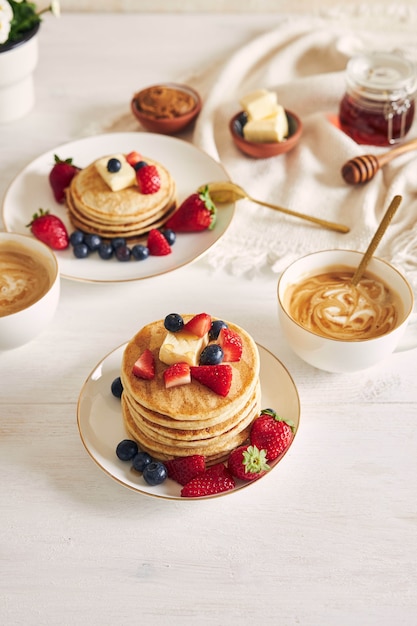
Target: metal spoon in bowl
(226, 191)
(389, 214)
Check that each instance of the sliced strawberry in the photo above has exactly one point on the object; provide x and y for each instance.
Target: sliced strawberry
(177, 374)
(50, 229)
(218, 378)
(144, 367)
(60, 177)
(184, 469)
(133, 157)
(157, 243)
(231, 344)
(207, 485)
(199, 325)
(196, 213)
(148, 179)
(248, 463)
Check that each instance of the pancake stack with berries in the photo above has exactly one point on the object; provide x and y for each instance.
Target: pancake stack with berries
(190, 386)
(121, 196)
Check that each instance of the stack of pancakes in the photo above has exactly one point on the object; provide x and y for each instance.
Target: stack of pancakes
(188, 419)
(94, 208)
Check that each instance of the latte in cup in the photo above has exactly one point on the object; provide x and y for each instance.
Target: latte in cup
(330, 305)
(24, 277)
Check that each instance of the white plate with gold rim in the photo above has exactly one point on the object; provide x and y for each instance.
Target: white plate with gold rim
(189, 166)
(101, 427)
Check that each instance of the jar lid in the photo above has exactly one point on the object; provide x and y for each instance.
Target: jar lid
(383, 71)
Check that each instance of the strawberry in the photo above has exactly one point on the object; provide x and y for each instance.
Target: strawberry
(177, 374)
(60, 177)
(208, 484)
(247, 462)
(184, 469)
(148, 179)
(157, 243)
(272, 433)
(144, 367)
(198, 325)
(49, 229)
(218, 378)
(231, 343)
(196, 213)
(133, 157)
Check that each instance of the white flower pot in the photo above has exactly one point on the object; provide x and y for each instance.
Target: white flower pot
(17, 64)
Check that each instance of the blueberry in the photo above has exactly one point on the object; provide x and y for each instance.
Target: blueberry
(140, 252)
(118, 241)
(76, 237)
(93, 241)
(113, 166)
(155, 473)
(137, 166)
(169, 235)
(123, 253)
(141, 460)
(215, 329)
(240, 122)
(126, 450)
(211, 355)
(173, 322)
(117, 387)
(105, 250)
(81, 250)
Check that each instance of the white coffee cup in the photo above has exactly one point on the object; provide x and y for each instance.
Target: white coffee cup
(343, 355)
(29, 288)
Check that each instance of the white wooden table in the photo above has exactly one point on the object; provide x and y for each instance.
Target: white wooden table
(328, 539)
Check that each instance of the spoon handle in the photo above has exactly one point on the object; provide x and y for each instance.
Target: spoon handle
(317, 220)
(389, 214)
(386, 157)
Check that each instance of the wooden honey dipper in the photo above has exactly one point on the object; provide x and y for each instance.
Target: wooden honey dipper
(363, 168)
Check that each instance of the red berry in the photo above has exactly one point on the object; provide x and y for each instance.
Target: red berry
(198, 325)
(196, 213)
(144, 367)
(272, 433)
(218, 378)
(207, 485)
(231, 344)
(177, 374)
(133, 157)
(50, 229)
(157, 243)
(184, 469)
(248, 462)
(148, 179)
(60, 177)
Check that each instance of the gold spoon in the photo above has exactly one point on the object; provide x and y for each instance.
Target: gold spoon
(389, 214)
(225, 192)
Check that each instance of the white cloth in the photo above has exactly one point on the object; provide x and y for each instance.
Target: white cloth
(304, 60)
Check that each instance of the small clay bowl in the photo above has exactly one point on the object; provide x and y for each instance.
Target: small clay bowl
(167, 121)
(270, 149)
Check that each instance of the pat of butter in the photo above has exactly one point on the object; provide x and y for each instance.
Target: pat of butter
(260, 104)
(270, 129)
(125, 177)
(182, 347)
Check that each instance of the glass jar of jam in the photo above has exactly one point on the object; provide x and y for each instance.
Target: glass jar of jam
(378, 106)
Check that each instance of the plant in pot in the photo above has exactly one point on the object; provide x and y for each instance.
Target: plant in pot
(19, 25)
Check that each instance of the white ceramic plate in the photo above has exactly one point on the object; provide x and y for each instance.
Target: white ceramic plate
(101, 427)
(189, 166)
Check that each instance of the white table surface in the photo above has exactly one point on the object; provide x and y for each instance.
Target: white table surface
(328, 539)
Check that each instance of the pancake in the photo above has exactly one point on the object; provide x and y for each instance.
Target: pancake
(94, 208)
(189, 418)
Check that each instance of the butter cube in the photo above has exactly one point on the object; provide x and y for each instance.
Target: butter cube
(182, 347)
(268, 130)
(125, 177)
(260, 104)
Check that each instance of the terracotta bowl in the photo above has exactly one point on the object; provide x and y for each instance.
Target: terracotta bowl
(265, 150)
(158, 122)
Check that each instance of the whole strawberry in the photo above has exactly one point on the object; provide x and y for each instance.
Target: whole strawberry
(60, 177)
(147, 177)
(247, 462)
(196, 213)
(272, 433)
(49, 229)
(184, 469)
